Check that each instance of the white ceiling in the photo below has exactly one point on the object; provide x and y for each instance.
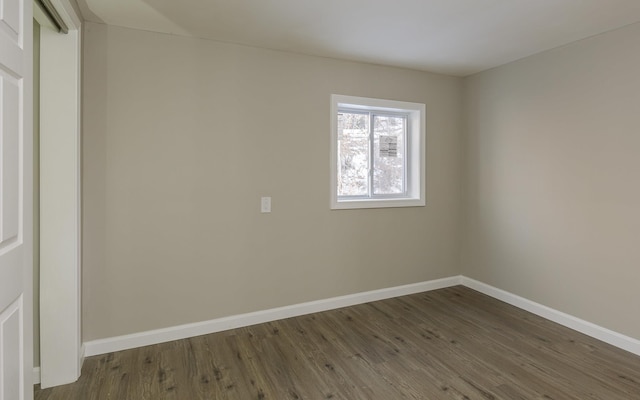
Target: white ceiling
(455, 37)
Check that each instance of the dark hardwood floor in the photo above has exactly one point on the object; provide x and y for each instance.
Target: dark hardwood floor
(452, 343)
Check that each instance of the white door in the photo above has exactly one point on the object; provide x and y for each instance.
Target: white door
(16, 207)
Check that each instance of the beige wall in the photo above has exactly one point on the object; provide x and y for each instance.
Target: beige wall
(553, 191)
(181, 138)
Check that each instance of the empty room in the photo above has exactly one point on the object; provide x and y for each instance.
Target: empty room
(299, 199)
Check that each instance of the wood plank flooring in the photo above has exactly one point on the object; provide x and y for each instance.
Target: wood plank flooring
(453, 343)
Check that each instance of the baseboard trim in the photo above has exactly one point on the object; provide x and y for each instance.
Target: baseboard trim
(103, 346)
(108, 345)
(595, 331)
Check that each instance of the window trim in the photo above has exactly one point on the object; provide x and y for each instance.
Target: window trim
(416, 146)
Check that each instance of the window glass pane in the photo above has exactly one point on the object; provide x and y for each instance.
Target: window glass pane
(353, 154)
(389, 157)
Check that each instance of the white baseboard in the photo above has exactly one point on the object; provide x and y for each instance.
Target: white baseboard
(118, 343)
(36, 375)
(141, 339)
(606, 335)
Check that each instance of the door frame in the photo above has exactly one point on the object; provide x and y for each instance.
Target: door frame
(61, 349)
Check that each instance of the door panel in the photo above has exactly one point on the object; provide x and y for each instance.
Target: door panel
(10, 348)
(16, 213)
(10, 17)
(9, 190)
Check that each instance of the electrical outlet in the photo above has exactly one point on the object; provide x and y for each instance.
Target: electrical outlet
(265, 205)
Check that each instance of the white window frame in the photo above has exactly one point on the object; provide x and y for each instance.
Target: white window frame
(416, 141)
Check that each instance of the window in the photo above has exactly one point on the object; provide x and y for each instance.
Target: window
(377, 153)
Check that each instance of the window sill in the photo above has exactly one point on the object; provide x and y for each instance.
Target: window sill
(376, 203)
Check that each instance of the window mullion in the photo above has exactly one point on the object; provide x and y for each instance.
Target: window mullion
(407, 157)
